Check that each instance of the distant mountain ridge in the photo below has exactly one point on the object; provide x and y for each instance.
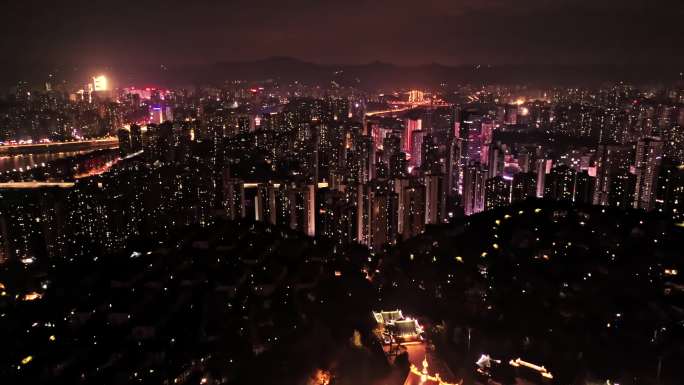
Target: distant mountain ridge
(372, 76)
(378, 74)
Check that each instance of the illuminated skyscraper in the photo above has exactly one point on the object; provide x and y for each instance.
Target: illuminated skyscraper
(621, 190)
(336, 221)
(649, 153)
(417, 148)
(543, 168)
(399, 185)
(398, 165)
(611, 160)
(498, 192)
(495, 160)
(382, 216)
(486, 136)
(471, 137)
(303, 208)
(430, 155)
(366, 154)
(160, 114)
(435, 198)
(524, 186)
(234, 197)
(393, 156)
(411, 125)
(272, 203)
(474, 177)
(560, 183)
(452, 167)
(363, 214)
(414, 211)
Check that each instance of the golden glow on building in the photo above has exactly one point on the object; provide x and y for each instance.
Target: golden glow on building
(321, 377)
(416, 96)
(32, 296)
(425, 376)
(100, 83)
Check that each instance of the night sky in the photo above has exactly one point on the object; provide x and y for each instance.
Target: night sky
(497, 32)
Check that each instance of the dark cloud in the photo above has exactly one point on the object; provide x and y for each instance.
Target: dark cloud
(173, 32)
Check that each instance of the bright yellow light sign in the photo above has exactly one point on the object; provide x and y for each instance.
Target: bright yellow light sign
(100, 83)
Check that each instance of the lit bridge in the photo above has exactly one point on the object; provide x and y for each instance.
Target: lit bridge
(401, 106)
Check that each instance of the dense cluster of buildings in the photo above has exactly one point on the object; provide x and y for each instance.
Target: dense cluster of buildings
(58, 114)
(348, 168)
(345, 165)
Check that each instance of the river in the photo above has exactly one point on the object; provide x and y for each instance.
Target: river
(9, 163)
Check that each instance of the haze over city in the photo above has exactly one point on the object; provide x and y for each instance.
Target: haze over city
(142, 37)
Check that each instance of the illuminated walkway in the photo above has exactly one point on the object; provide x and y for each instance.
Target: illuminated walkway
(427, 368)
